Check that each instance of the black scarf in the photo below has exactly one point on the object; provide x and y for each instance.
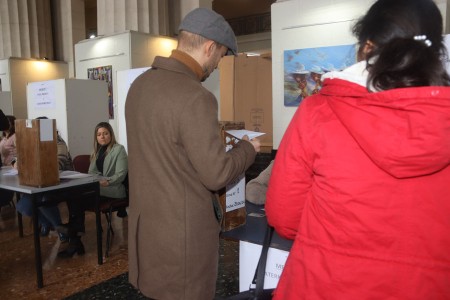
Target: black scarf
(101, 158)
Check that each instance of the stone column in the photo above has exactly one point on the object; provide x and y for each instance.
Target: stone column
(181, 8)
(159, 17)
(25, 29)
(69, 29)
(148, 16)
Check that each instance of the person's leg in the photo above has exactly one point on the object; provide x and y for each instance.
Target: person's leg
(77, 209)
(44, 223)
(75, 228)
(25, 207)
(50, 215)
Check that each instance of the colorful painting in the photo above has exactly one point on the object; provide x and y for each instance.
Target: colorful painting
(303, 69)
(104, 73)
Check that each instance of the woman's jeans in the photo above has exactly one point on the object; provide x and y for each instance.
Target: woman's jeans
(47, 215)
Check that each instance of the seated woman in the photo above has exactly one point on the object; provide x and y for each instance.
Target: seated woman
(108, 160)
(7, 152)
(49, 216)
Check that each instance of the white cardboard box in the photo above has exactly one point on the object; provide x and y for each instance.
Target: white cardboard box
(249, 254)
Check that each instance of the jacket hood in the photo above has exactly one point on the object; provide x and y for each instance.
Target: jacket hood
(405, 131)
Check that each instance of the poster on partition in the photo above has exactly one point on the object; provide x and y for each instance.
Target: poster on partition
(104, 73)
(303, 69)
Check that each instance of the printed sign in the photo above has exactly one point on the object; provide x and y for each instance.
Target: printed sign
(43, 94)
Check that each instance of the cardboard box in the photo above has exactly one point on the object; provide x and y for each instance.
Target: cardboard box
(246, 93)
(37, 153)
(249, 254)
(232, 197)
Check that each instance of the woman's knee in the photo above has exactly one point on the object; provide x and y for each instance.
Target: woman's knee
(25, 206)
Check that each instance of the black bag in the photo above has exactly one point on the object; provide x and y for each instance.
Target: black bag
(256, 290)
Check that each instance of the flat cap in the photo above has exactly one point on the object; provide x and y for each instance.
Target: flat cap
(210, 25)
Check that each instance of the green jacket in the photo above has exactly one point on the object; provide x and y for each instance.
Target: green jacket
(115, 168)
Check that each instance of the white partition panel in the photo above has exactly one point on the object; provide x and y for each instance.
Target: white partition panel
(6, 103)
(124, 80)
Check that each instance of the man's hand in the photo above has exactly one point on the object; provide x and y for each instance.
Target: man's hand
(255, 142)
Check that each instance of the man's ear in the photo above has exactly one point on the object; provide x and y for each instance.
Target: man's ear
(209, 47)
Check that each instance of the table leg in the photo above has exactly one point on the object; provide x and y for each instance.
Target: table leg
(37, 243)
(19, 217)
(19, 220)
(98, 221)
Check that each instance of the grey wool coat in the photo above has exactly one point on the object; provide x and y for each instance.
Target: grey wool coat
(177, 161)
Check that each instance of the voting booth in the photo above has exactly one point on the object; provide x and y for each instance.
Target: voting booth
(37, 153)
(77, 105)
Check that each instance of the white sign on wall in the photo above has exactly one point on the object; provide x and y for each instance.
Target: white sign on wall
(43, 94)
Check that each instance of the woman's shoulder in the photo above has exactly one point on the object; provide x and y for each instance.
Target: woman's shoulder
(117, 148)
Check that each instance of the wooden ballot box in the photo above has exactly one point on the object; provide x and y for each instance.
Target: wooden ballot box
(232, 197)
(37, 156)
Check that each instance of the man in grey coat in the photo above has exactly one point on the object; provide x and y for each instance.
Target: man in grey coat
(177, 162)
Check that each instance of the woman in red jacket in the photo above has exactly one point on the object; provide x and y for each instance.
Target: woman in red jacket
(361, 180)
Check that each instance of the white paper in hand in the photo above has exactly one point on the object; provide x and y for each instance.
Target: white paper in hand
(240, 133)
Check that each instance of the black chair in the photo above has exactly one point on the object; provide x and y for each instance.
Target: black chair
(107, 205)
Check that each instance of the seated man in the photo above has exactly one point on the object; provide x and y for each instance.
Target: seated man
(48, 215)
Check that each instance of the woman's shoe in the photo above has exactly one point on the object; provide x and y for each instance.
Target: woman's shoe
(63, 238)
(122, 212)
(63, 229)
(75, 246)
(67, 230)
(45, 230)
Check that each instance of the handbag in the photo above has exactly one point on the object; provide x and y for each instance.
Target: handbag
(256, 290)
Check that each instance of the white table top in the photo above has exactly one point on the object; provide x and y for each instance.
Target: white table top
(11, 182)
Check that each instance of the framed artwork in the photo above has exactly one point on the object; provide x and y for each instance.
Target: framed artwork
(104, 73)
(303, 69)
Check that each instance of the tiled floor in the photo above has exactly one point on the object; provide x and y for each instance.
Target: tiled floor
(66, 277)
